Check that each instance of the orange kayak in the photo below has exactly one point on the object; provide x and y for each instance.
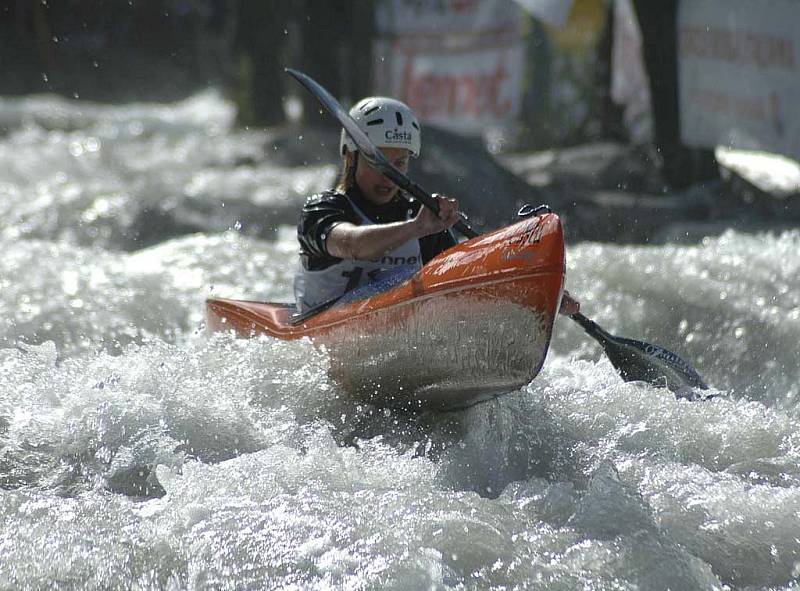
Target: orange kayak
(474, 323)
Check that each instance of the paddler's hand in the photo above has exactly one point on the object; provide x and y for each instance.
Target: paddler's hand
(569, 305)
(429, 223)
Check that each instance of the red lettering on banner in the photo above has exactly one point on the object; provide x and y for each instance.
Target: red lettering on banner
(720, 103)
(711, 101)
(441, 7)
(775, 113)
(463, 5)
(750, 108)
(760, 49)
(469, 93)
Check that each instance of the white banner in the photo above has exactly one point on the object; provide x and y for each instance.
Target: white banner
(740, 74)
(457, 63)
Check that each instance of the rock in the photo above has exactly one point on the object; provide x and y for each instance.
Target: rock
(760, 188)
(620, 216)
(589, 167)
(772, 175)
(611, 192)
(489, 193)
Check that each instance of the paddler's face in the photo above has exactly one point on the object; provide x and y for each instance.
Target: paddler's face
(376, 187)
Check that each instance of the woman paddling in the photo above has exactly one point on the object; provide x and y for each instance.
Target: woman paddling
(366, 230)
(366, 227)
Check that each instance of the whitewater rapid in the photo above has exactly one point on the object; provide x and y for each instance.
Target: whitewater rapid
(139, 452)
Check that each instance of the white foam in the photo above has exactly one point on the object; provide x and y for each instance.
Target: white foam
(111, 394)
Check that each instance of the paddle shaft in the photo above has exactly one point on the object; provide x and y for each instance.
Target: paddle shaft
(590, 326)
(412, 188)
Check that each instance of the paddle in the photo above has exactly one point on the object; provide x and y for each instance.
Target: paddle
(638, 361)
(635, 360)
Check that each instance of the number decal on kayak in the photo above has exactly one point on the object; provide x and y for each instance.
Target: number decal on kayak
(531, 235)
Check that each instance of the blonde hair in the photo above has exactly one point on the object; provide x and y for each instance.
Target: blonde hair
(347, 178)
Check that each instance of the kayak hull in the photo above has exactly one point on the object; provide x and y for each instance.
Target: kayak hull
(474, 323)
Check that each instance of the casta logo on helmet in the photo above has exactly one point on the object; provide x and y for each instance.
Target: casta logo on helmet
(393, 135)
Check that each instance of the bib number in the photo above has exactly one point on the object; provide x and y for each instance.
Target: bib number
(354, 277)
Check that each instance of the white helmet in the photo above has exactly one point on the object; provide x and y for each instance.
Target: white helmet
(387, 122)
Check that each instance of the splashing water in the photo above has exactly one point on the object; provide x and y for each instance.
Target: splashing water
(136, 451)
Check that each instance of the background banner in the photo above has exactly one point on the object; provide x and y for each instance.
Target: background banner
(739, 77)
(457, 63)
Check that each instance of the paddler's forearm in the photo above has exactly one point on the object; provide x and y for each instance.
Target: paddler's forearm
(366, 243)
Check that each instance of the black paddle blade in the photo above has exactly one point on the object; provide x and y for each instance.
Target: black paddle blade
(645, 362)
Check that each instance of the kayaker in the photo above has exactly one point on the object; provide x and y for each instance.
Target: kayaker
(367, 230)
